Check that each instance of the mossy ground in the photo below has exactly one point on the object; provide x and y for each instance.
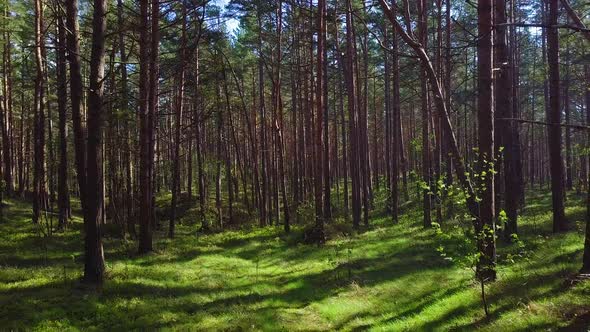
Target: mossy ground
(388, 278)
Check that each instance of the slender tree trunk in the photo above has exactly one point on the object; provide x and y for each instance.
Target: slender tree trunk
(389, 162)
(76, 93)
(279, 129)
(319, 120)
(485, 114)
(6, 114)
(263, 137)
(396, 123)
(586, 258)
(504, 100)
(554, 118)
(353, 117)
(426, 161)
(178, 128)
(568, 133)
(39, 130)
(127, 160)
(327, 209)
(63, 200)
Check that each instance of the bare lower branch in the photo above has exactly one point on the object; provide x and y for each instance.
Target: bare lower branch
(565, 125)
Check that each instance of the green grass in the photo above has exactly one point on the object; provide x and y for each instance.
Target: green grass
(387, 278)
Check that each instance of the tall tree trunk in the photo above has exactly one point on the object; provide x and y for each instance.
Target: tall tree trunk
(426, 161)
(503, 91)
(280, 124)
(353, 117)
(485, 116)
(94, 256)
(178, 128)
(586, 258)
(264, 202)
(63, 200)
(76, 93)
(148, 76)
(396, 123)
(327, 209)
(319, 139)
(568, 133)
(554, 118)
(127, 160)
(390, 158)
(39, 130)
(6, 114)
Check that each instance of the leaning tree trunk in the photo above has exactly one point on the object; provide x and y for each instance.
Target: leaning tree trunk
(441, 108)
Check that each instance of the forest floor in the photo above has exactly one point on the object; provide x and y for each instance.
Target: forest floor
(388, 277)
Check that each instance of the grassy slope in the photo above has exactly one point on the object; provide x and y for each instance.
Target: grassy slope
(387, 278)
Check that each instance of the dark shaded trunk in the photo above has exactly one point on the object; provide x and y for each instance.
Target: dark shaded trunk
(554, 118)
(127, 128)
(148, 81)
(93, 251)
(586, 258)
(76, 92)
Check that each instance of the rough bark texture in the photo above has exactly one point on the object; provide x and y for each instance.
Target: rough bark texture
(93, 251)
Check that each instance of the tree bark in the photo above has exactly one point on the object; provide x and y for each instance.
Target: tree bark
(504, 101)
(554, 117)
(426, 153)
(350, 69)
(178, 123)
(441, 108)
(148, 75)
(94, 255)
(63, 200)
(39, 120)
(586, 257)
(485, 114)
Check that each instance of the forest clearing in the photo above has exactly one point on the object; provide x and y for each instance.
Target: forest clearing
(312, 165)
(388, 278)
